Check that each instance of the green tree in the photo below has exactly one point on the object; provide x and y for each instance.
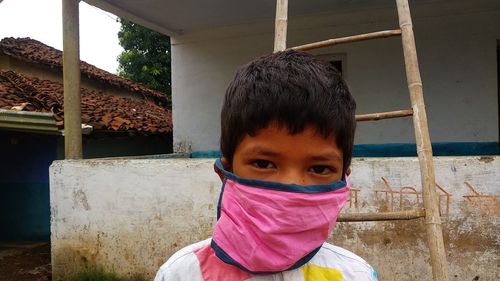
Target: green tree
(146, 57)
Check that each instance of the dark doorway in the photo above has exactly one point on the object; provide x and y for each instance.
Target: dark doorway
(498, 91)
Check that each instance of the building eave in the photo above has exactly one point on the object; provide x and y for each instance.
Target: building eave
(34, 122)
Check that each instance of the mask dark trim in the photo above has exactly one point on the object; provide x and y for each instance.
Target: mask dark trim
(223, 256)
(279, 186)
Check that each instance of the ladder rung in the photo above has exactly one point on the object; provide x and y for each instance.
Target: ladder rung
(383, 216)
(348, 39)
(384, 115)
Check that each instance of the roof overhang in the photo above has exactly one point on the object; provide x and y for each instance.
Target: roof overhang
(33, 122)
(179, 17)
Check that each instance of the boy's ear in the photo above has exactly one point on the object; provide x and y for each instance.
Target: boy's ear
(348, 172)
(225, 164)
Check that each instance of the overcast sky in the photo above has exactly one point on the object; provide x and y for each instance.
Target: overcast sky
(42, 20)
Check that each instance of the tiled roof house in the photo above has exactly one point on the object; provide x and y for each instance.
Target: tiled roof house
(119, 118)
(31, 80)
(19, 51)
(102, 112)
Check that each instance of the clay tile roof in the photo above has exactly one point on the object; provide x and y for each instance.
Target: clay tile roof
(31, 50)
(103, 112)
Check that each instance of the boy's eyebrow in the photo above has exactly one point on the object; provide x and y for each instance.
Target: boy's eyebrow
(321, 157)
(262, 151)
(326, 157)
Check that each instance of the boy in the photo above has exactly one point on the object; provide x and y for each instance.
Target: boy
(287, 134)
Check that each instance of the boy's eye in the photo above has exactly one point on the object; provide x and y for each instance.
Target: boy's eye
(263, 164)
(322, 170)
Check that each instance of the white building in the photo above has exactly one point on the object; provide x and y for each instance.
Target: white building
(457, 43)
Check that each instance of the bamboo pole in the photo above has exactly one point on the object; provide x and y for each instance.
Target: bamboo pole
(383, 216)
(384, 115)
(280, 25)
(71, 80)
(424, 149)
(348, 39)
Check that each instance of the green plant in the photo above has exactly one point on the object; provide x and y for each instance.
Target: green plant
(101, 275)
(146, 57)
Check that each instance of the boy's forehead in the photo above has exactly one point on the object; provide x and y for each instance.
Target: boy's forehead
(310, 131)
(275, 140)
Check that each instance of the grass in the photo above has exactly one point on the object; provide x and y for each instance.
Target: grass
(100, 275)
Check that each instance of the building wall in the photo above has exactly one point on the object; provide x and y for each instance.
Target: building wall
(129, 216)
(456, 44)
(55, 74)
(24, 185)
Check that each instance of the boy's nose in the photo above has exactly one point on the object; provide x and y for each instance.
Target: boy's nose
(291, 177)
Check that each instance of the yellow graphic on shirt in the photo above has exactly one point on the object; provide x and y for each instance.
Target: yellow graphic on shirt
(317, 273)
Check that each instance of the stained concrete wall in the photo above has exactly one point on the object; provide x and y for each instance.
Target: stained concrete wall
(131, 215)
(456, 44)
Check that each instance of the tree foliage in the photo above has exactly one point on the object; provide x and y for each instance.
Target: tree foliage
(146, 56)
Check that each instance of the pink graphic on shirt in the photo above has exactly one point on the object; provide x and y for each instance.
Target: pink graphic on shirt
(213, 269)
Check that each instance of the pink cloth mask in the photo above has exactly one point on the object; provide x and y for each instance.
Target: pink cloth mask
(267, 227)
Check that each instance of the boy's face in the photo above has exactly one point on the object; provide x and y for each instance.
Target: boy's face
(274, 155)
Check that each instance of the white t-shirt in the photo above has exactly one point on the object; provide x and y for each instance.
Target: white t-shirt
(198, 262)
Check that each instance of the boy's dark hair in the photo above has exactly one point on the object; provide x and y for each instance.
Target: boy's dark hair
(293, 89)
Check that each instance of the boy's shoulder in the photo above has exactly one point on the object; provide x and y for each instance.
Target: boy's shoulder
(183, 265)
(350, 265)
(198, 262)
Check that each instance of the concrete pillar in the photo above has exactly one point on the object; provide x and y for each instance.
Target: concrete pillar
(71, 77)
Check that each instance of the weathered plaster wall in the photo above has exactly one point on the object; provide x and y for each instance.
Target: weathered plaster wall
(131, 215)
(456, 44)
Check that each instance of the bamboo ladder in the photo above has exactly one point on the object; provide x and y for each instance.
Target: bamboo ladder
(424, 150)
